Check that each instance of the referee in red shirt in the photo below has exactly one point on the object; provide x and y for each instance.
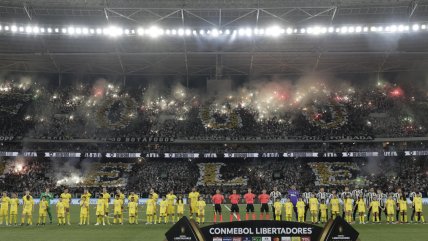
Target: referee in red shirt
(249, 200)
(234, 200)
(218, 199)
(264, 200)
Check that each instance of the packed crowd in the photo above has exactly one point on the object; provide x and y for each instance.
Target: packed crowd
(181, 175)
(104, 110)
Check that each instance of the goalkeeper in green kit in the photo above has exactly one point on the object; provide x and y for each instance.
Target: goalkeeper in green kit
(48, 197)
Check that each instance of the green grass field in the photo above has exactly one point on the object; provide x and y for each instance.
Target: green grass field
(368, 232)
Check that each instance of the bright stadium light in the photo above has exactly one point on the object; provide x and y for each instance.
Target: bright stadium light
(91, 31)
(85, 31)
(71, 30)
(13, 28)
(373, 29)
(78, 31)
(303, 30)
(358, 29)
(56, 30)
(174, 32)
(168, 32)
(201, 32)
(49, 30)
(140, 31)
(188, 32)
(215, 32)
(365, 29)
(28, 29)
(42, 30)
(248, 32)
(64, 30)
(289, 30)
(241, 32)
(36, 30)
(392, 28)
(330, 29)
(21, 29)
(194, 32)
(227, 32)
(423, 26)
(99, 31)
(6, 28)
(180, 32)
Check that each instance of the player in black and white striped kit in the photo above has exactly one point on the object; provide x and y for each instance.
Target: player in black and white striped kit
(369, 198)
(305, 196)
(381, 197)
(321, 195)
(356, 194)
(412, 195)
(343, 196)
(397, 196)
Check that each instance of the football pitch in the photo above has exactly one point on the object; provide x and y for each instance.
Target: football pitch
(368, 232)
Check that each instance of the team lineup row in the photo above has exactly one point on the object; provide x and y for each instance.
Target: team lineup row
(171, 207)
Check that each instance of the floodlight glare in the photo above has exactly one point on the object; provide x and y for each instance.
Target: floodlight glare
(85, 31)
(241, 32)
(423, 26)
(401, 28)
(393, 28)
(344, 29)
(64, 30)
(140, 31)
(358, 29)
(310, 30)
(71, 30)
(365, 29)
(168, 32)
(201, 32)
(56, 30)
(227, 32)
(194, 32)
(188, 32)
(323, 30)
(78, 31)
(330, 29)
(42, 30)
(214, 32)
(248, 32)
(180, 32)
(13, 28)
(36, 30)
(28, 29)
(174, 32)
(92, 31)
(303, 30)
(373, 29)
(21, 29)
(289, 31)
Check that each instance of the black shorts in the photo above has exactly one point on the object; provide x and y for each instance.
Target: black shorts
(234, 208)
(250, 208)
(217, 208)
(264, 208)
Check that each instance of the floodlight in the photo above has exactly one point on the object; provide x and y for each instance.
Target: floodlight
(180, 32)
(241, 32)
(289, 31)
(358, 29)
(64, 30)
(42, 30)
(188, 32)
(330, 29)
(373, 29)
(92, 31)
(393, 28)
(85, 30)
(423, 26)
(78, 31)
(21, 29)
(6, 28)
(36, 30)
(71, 30)
(28, 29)
(365, 29)
(201, 32)
(56, 30)
(174, 32)
(140, 31)
(227, 32)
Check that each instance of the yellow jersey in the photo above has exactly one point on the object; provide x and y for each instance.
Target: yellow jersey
(390, 206)
(313, 204)
(117, 204)
(28, 204)
(106, 198)
(132, 207)
(193, 198)
(288, 206)
(155, 197)
(162, 206)
(402, 205)
(135, 196)
(66, 199)
(171, 199)
(278, 206)
(84, 207)
(417, 201)
(43, 207)
(300, 207)
(150, 206)
(348, 205)
(122, 196)
(334, 202)
(14, 202)
(201, 206)
(323, 209)
(5, 201)
(60, 208)
(361, 206)
(100, 205)
(375, 206)
(86, 195)
(180, 206)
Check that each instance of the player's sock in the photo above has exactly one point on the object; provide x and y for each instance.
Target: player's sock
(7, 219)
(246, 216)
(254, 216)
(44, 219)
(215, 218)
(197, 219)
(30, 220)
(261, 216)
(422, 218)
(239, 217)
(1, 219)
(267, 217)
(203, 219)
(231, 217)
(221, 217)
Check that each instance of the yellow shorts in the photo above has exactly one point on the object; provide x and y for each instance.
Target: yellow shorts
(201, 213)
(180, 210)
(100, 213)
(171, 209)
(314, 210)
(66, 205)
(3, 212)
(83, 214)
(26, 212)
(162, 214)
(13, 212)
(61, 215)
(117, 212)
(132, 214)
(418, 210)
(149, 211)
(43, 214)
(193, 207)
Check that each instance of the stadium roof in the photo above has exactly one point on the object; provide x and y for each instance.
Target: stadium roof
(196, 57)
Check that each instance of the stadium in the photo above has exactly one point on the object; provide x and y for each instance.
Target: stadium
(118, 117)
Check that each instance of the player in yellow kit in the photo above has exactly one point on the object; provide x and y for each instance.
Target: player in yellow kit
(43, 211)
(201, 209)
(27, 211)
(402, 206)
(132, 210)
(136, 199)
(66, 197)
(60, 211)
(300, 205)
(100, 211)
(374, 205)
(155, 198)
(193, 201)
(180, 207)
(150, 209)
(171, 199)
(278, 209)
(106, 197)
(14, 203)
(4, 208)
(122, 198)
(417, 201)
(390, 209)
(163, 205)
(117, 212)
(313, 208)
(335, 206)
(348, 206)
(361, 209)
(323, 210)
(288, 206)
(87, 195)
(84, 210)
